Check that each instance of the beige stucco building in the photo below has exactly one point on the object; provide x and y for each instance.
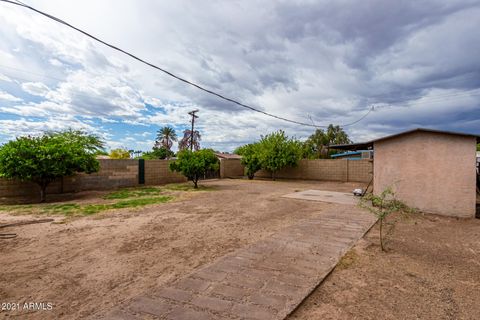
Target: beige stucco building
(434, 171)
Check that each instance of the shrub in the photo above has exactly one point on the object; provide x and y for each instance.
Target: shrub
(53, 155)
(382, 206)
(250, 158)
(119, 154)
(158, 153)
(194, 164)
(277, 151)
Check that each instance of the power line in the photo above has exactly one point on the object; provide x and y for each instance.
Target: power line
(437, 97)
(21, 4)
(414, 101)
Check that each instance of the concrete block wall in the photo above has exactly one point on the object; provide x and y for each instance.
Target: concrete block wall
(112, 174)
(158, 172)
(360, 170)
(230, 168)
(326, 169)
(124, 173)
(13, 188)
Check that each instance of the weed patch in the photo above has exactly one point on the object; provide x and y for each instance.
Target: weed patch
(73, 209)
(124, 198)
(347, 260)
(140, 202)
(66, 209)
(131, 193)
(186, 187)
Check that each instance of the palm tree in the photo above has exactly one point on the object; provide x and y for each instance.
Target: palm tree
(186, 140)
(165, 137)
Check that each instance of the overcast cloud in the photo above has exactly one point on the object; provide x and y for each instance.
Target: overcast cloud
(318, 62)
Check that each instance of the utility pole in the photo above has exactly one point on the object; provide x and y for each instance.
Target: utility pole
(192, 113)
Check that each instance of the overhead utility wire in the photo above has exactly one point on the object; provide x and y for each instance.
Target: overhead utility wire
(378, 105)
(434, 98)
(21, 4)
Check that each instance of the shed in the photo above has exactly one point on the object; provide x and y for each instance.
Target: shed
(230, 165)
(228, 156)
(434, 171)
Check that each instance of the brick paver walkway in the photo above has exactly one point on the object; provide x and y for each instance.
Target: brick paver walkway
(266, 280)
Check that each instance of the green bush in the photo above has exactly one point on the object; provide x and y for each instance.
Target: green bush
(250, 158)
(194, 164)
(119, 154)
(43, 159)
(273, 152)
(277, 151)
(158, 153)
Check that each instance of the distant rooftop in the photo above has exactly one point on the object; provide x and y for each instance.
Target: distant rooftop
(369, 144)
(228, 156)
(349, 153)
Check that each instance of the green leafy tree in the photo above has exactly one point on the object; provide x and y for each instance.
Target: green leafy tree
(250, 158)
(158, 153)
(119, 154)
(194, 164)
(276, 151)
(318, 144)
(165, 138)
(53, 155)
(101, 152)
(478, 147)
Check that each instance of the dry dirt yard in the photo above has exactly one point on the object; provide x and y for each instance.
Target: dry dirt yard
(89, 264)
(432, 271)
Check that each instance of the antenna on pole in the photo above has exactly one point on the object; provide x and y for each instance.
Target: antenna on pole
(192, 113)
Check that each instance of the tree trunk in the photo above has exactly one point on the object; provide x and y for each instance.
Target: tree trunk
(195, 181)
(381, 224)
(273, 175)
(381, 235)
(43, 193)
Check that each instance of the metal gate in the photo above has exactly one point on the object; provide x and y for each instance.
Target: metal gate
(211, 174)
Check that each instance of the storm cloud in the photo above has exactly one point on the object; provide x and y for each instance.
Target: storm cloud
(316, 62)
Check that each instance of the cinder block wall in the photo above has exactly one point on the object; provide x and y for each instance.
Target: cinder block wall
(433, 172)
(157, 172)
(360, 170)
(231, 168)
(13, 188)
(124, 173)
(113, 174)
(326, 169)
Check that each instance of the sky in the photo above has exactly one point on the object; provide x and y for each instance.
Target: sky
(416, 62)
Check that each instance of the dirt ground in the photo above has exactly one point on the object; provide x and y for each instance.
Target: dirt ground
(89, 264)
(432, 271)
